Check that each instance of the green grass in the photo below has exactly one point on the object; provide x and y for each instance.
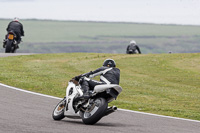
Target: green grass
(166, 84)
(102, 37)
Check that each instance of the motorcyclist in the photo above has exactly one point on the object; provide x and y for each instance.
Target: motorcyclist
(109, 74)
(17, 28)
(133, 48)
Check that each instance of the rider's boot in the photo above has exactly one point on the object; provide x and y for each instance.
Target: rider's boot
(86, 95)
(4, 43)
(16, 44)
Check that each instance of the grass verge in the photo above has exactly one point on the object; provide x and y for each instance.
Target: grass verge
(166, 84)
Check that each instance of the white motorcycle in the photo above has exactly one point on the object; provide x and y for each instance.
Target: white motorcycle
(90, 110)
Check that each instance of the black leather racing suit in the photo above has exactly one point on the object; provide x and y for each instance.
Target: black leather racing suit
(17, 28)
(108, 75)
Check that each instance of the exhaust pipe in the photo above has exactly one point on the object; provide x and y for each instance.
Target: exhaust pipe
(110, 110)
(114, 108)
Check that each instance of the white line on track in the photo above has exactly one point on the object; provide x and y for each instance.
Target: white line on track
(35, 93)
(39, 94)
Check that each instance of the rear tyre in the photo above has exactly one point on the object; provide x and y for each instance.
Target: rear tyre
(8, 46)
(13, 50)
(94, 111)
(58, 112)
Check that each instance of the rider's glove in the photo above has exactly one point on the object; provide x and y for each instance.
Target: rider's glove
(77, 78)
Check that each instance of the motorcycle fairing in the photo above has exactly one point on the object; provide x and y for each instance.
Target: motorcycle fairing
(101, 88)
(72, 91)
(112, 89)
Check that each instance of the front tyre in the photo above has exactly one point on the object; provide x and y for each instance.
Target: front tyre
(58, 112)
(94, 111)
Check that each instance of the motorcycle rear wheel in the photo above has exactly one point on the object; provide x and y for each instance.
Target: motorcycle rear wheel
(58, 112)
(94, 112)
(8, 46)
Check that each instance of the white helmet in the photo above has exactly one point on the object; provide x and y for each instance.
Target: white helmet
(132, 42)
(16, 19)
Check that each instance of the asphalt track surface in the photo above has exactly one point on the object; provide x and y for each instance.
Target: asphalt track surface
(27, 112)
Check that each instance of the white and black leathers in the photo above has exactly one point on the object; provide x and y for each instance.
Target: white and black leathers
(108, 75)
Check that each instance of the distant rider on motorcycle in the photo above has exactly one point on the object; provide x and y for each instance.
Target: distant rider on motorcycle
(133, 48)
(17, 28)
(109, 74)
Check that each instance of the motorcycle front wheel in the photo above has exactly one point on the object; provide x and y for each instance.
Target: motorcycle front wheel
(94, 111)
(58, 112)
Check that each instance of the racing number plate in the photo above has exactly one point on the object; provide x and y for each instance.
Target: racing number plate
(10, 36)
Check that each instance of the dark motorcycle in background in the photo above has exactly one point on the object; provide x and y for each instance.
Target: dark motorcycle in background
(130, 51)
(10, 43)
